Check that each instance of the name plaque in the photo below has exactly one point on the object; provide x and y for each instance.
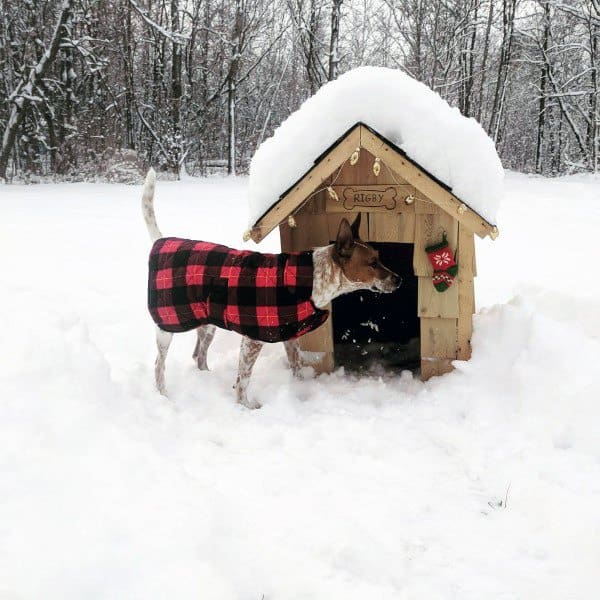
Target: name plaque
(369, 197)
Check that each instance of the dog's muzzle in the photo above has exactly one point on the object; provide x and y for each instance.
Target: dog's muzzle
(388, 285)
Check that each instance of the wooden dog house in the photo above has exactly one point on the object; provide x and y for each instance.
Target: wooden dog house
(403, 210)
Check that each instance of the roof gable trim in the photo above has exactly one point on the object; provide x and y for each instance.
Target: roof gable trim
(363, 136)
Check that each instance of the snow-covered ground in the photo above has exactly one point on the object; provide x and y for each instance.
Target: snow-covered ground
(484, 483)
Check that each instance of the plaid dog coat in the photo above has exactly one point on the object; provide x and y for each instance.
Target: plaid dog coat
(266, 297)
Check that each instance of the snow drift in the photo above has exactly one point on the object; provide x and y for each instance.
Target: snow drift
(483, 483)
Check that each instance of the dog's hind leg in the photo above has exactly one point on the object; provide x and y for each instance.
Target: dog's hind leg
(163, 341)
(249, 351)
(206, 333)
(292, 349)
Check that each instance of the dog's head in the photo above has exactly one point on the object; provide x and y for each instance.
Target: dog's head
(360, 262)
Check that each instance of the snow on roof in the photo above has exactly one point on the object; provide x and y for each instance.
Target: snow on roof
(453, 148)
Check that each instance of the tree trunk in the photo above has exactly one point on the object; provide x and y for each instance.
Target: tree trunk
(312, 58)
(486, 48)
(232, 76)
(129, 81)
(334, 52)
(593, 104)
(176, 92)
(557, 148)
(508, 20)
(467, 63)
(539, 167)
(20, 98)
(231, 126)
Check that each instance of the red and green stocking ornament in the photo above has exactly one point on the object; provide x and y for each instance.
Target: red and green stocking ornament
(444, 268)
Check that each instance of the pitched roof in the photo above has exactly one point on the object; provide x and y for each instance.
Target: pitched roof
(411, 117)
(362, 136)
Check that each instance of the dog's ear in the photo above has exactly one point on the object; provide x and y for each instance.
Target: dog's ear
(344, 243)
(355, 227)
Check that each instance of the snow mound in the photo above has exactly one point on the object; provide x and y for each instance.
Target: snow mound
(483, 483)
(453, 148)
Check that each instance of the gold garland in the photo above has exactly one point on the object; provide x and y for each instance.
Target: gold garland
(410, 198)
(353, 159)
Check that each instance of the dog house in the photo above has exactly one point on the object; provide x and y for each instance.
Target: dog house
(404, 208)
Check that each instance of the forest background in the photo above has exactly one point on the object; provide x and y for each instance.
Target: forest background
(194, 86)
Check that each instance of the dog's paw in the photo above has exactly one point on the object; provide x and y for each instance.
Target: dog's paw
(251, 404)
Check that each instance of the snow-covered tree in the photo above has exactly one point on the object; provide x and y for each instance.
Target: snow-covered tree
(197, 84)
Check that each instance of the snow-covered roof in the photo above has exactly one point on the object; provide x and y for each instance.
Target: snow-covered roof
(453, 148)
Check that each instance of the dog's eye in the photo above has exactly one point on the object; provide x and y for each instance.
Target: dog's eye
(373, 263)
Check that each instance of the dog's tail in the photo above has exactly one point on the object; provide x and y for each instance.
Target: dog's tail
(148, 206)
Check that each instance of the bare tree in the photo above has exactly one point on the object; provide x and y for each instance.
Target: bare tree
(508, 22)
(334, 50)
(543, 88)
(198, 84)
(26, 91)
(307, 18)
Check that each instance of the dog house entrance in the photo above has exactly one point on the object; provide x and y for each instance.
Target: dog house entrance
(372, 329)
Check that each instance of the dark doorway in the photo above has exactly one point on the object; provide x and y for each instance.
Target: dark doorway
(373, 330)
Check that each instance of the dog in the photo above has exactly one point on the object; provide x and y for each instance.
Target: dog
(264, 297)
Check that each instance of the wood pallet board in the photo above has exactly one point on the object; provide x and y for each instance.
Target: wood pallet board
(310, 231)
(432, 303)
(399, 228)
(438, 338)
(434, 367)
(466, 309)
(465, 255)
(362, 173)
(319, 344)
(315, 206)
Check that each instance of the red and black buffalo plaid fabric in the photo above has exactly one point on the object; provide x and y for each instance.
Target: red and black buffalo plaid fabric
(266, 297)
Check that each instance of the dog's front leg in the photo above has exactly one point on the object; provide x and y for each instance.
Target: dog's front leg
(292, 349)
(249, 351)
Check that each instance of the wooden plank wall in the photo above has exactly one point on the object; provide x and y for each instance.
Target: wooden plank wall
(467, 270)
(446, 318)
(312, 229)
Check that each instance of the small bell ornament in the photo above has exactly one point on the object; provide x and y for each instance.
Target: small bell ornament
(332, 194)
(377, 167)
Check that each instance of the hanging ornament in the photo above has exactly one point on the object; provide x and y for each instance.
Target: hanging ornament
(354, 157)
(494, 233)
(377, 167)
(409, 199)
(247, 235)
(332, 194)
(444, 266)
(462, 209)
(291, 221)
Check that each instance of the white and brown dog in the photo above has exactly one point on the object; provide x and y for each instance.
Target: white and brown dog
(265, 297)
